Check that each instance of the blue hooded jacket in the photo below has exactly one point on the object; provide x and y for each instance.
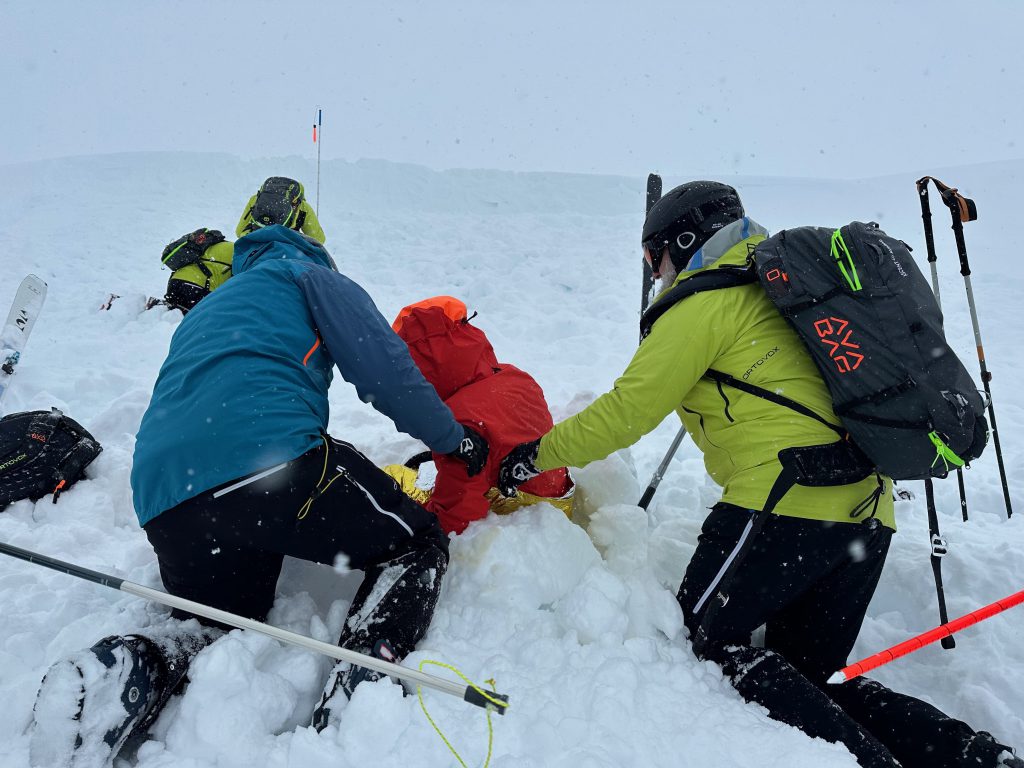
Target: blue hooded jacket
(244, 385)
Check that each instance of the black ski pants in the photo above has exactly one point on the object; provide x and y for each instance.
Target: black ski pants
(226, 546)
(810, 583)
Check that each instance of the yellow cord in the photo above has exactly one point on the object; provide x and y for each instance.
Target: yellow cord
(317, 490)
(492, 701)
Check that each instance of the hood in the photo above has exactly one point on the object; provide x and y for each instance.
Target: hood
(278, 242)
(724, 239)
(450, 354)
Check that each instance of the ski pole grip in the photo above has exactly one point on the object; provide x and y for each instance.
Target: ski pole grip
(497, 702)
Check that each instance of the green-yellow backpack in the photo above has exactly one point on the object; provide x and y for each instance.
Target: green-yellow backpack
(201, 262)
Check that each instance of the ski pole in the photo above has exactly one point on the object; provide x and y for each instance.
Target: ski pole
(317, 136)
(925, 638)
(937, 544)
(659, 473)
(653, 196)
(929, 239)
(963, 209)
(470, 693)
(939, 548)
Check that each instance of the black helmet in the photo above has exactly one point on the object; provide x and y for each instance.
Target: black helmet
(686, 217)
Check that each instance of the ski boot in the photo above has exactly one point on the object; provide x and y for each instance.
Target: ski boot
(983, 750)
(91, 704)
(342, 682)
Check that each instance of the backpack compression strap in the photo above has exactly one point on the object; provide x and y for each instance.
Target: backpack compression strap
(190, 248)
(712, 280)
(774, 397)
(74, 461)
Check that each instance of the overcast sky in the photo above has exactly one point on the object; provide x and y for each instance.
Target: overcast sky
(842, 89)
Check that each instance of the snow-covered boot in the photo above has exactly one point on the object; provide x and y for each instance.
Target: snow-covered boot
(343, 681)
(984, 751)
(91, 703)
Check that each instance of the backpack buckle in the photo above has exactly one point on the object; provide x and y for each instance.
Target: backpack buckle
(940, 547)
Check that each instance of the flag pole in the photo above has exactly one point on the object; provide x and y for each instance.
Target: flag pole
(318, 140)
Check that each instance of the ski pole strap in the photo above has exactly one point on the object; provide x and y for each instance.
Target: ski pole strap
(964, 207)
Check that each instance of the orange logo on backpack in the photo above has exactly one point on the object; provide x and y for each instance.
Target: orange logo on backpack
(40, 438)
(833, 334)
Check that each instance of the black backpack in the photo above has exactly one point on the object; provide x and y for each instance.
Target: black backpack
(42, 452)
(190, 248)
(277, 202)
(873, 327)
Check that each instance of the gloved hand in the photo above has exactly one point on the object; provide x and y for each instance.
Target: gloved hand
(518, 467)
(472, 451)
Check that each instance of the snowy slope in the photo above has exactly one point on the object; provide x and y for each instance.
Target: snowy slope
(577, 623)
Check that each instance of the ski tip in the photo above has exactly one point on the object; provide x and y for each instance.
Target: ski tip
(837, 677)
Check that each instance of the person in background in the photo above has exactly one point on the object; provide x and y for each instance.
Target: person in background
(233, 470)
(200, 262)
(280, 200)
(505, 404)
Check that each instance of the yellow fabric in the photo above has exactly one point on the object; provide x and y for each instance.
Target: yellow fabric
(406, 479)
(737, 331)
(503, 505)
(310, 226)
(217, 261)
(499, 504)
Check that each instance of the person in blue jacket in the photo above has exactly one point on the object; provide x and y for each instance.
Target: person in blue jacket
(234, 469)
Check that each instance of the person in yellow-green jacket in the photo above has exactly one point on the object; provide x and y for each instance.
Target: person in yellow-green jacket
(201, 263)
(280, 200)
(810, 571)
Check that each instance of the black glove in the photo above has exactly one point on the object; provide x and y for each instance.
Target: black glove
(472, 451)
(518, 467)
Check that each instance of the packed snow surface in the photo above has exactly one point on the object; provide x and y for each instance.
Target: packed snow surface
(575, 621)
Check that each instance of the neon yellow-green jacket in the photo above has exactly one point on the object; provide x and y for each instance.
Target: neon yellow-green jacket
(216, 260)
(310, 223)
(737, 331)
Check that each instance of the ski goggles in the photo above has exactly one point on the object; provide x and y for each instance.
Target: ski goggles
(653, 251)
